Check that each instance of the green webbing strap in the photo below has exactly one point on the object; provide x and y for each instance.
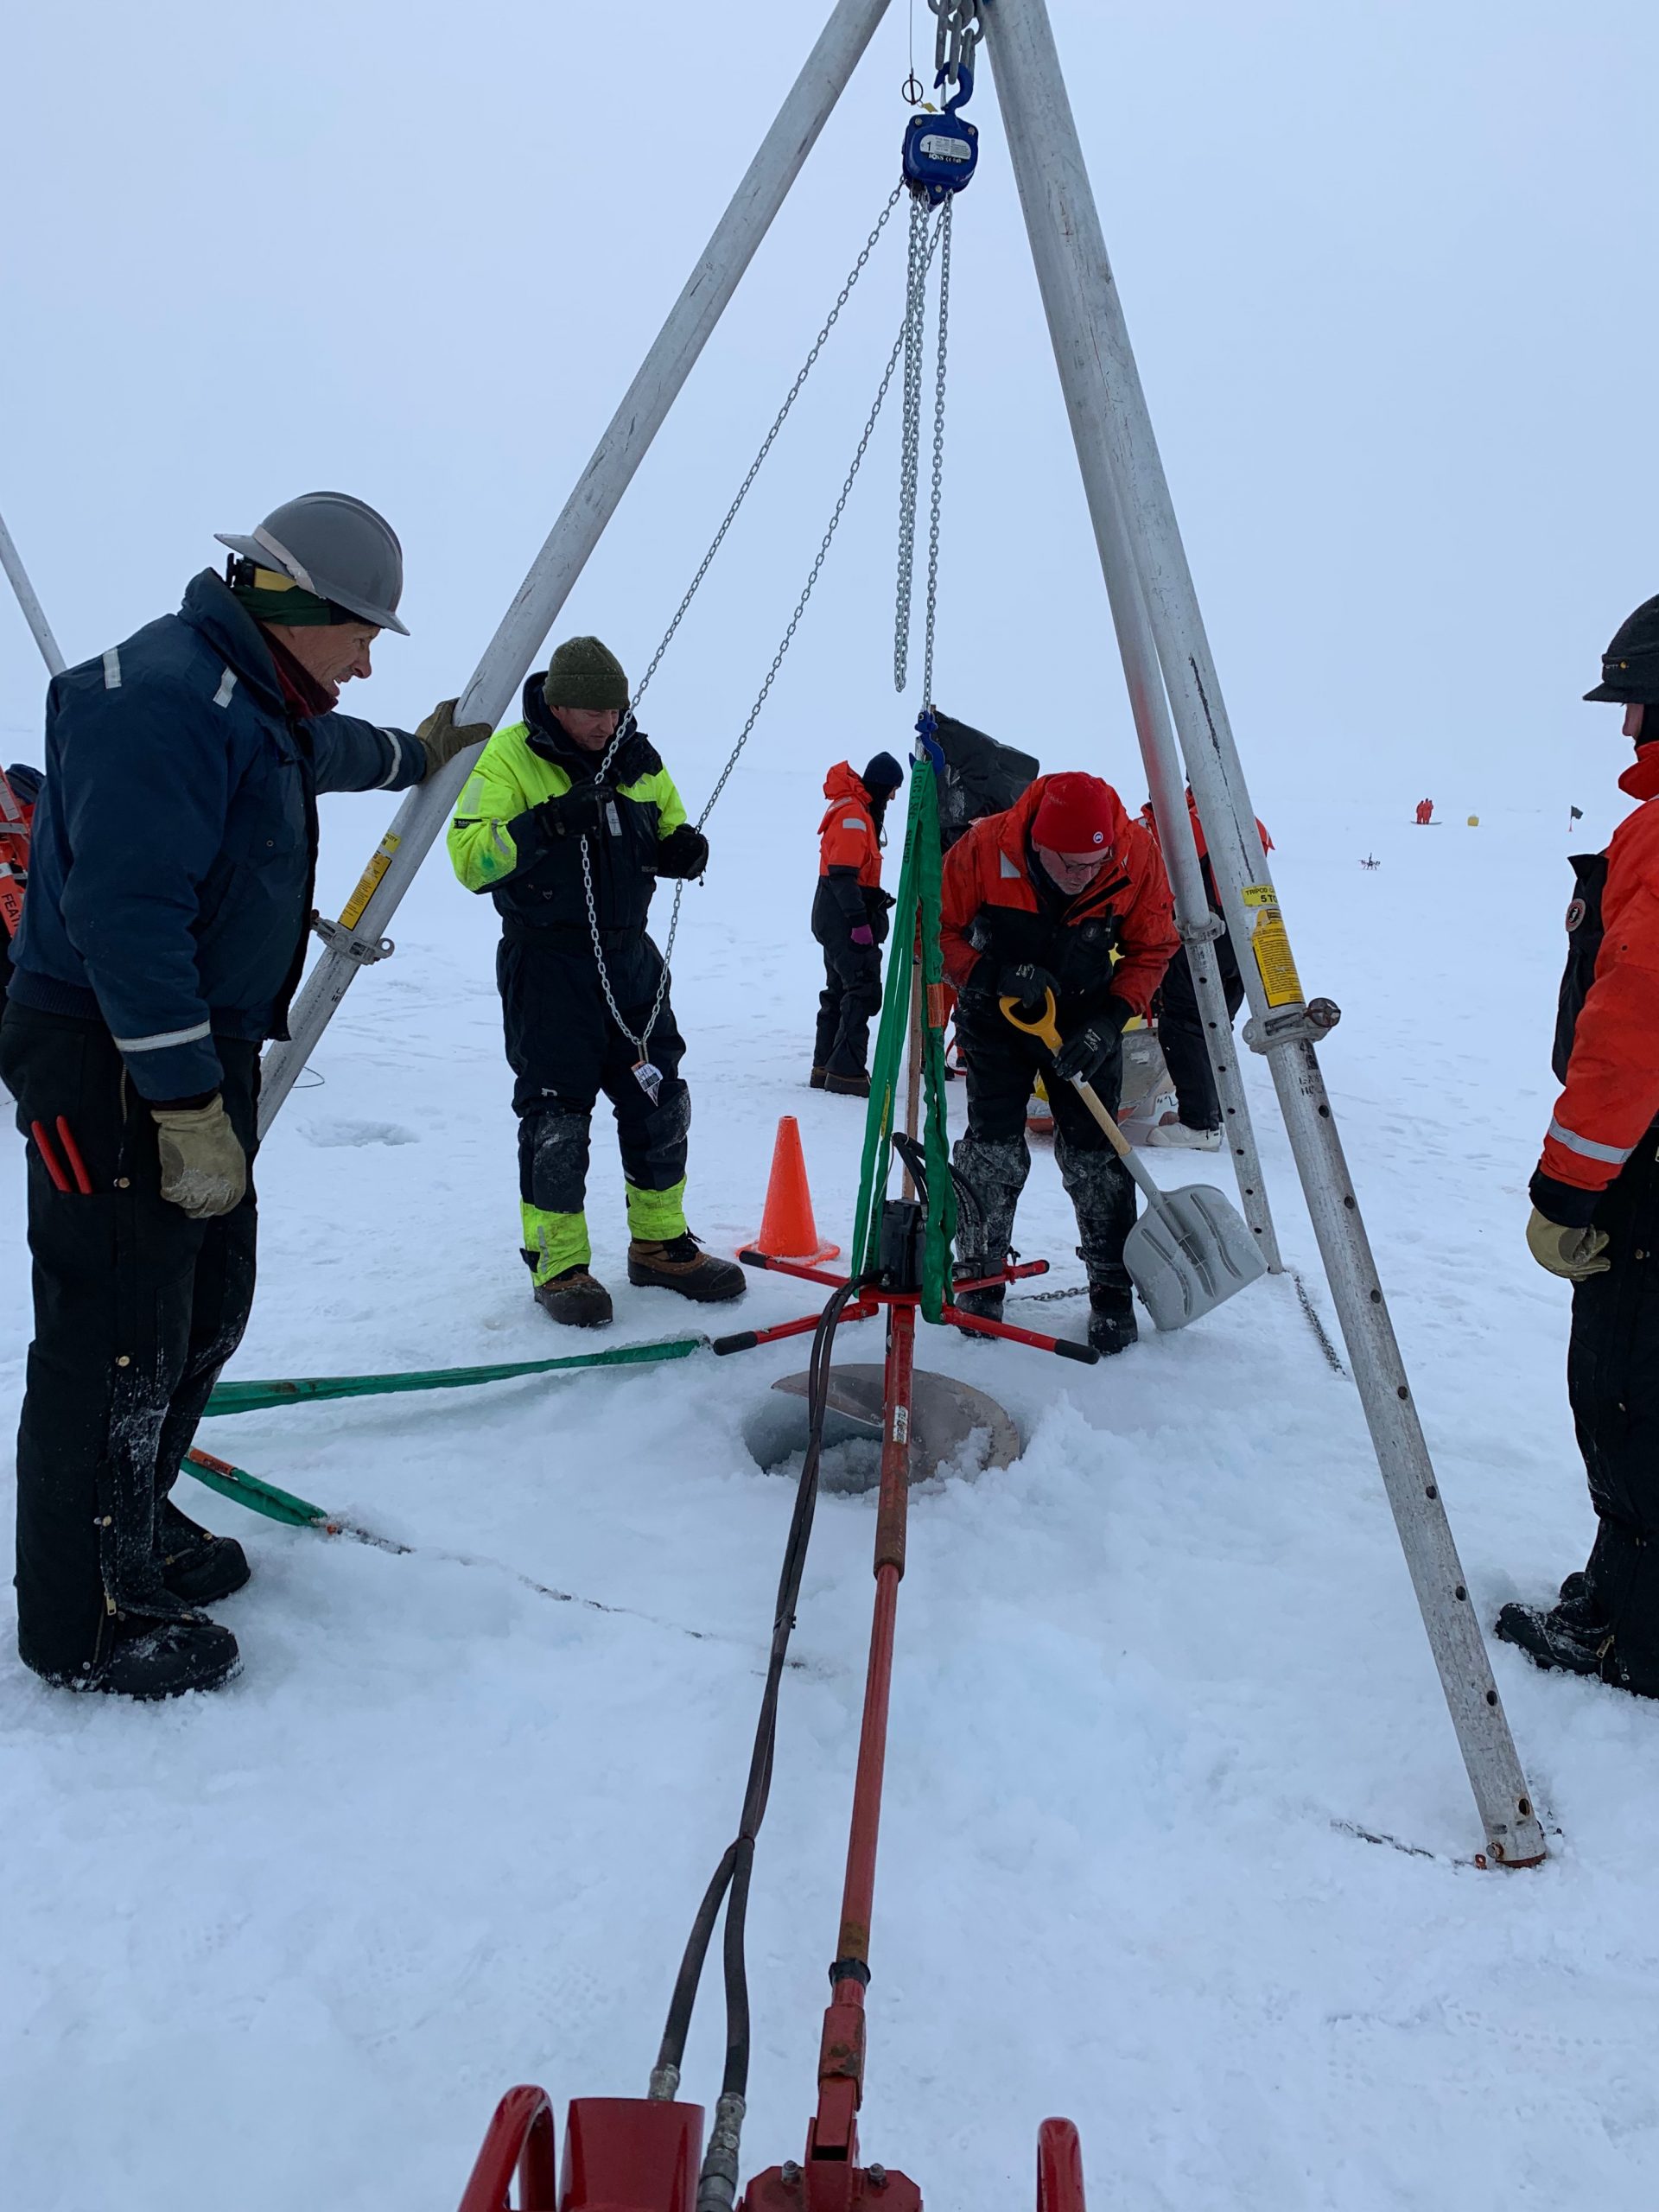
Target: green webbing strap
(259, 1496)
(257, 1397)
(935, 1140)
(915, 911)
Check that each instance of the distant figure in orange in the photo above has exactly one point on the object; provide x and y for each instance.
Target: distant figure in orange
(1424, 812)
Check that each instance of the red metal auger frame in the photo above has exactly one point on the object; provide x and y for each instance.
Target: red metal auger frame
(830, 2178)
(626, 2154)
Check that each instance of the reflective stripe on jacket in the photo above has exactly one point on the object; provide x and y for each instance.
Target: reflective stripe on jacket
(847, 835)
(1611, 1094)
(174, 842)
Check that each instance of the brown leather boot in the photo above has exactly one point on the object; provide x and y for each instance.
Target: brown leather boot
(680, 1264)
(575, 1299)
(847, 1086)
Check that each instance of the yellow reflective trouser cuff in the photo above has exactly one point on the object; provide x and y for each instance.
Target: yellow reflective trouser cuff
(555, 1241)
(657, 1216)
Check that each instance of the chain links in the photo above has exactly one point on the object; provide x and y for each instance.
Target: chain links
(911, 442)
(909, 466)
(939, 454)
(957, 36)
(641, 1042)
(766, 443)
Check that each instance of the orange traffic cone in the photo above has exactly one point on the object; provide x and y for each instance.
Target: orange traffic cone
(787, 1228)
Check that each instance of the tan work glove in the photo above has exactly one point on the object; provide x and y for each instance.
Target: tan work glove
(443, 736)
(204, 1168)
(1572, 1254)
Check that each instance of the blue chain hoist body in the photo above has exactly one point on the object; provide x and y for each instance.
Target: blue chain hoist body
(941, 151)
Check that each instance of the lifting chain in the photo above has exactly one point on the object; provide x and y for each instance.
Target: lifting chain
(921, 255)
(911, 438)
(939, 455)
(766, 444)
(649, 1077)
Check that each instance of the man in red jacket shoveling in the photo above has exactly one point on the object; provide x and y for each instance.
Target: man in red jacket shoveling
(1595, 1219)
(1039, 899)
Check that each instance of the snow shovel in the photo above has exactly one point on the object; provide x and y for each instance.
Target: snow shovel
(1192, 1250)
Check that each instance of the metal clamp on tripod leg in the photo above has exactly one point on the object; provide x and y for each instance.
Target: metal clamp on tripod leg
(1204, 930)
(363, 951)
(1293, 1025)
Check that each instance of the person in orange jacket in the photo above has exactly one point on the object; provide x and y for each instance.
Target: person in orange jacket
(1595, 1216)
(1037, 901)
(1196, 1123)
(849, 920)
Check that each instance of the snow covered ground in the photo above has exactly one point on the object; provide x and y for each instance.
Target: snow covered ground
(285, 1945)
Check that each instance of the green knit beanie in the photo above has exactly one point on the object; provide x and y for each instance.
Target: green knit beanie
(585, 673)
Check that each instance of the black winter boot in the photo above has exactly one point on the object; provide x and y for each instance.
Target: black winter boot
(1571, 1635)
(197, 1566)
(679, 1264)
(847, 1086)
(149, 1660)
(575, 1299)
(818, 1078)
(1111, 1319)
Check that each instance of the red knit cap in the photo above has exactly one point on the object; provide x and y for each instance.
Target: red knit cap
(1076, 814)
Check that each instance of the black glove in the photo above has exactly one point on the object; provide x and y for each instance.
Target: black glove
(1086, 1052)
(573, 811)
(878, 904)
(1030, 985)
(683, 852)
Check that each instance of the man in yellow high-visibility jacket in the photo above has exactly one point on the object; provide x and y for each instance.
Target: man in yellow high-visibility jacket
(542, 799)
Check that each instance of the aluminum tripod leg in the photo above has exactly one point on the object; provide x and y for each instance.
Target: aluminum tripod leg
(495, 683)
(1109, 419)
(33, 613)
(1150, 709)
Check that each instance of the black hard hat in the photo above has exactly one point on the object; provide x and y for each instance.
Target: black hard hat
(1630, 667)
(335, 547)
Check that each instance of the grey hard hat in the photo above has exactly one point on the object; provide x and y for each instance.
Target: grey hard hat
(334, 546)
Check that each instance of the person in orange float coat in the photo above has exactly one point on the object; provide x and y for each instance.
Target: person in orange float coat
(1037, 901)
(1595, 1217)
(849, 920)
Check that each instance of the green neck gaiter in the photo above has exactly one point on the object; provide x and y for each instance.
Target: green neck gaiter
(272, 597)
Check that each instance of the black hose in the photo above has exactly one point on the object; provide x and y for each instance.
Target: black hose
(730, 1885)
(970, 1210)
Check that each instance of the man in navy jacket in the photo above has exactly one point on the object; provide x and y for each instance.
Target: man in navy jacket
(163, 933)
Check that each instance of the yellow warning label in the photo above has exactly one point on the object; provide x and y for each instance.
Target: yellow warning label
(1259, 894)
(369, 882)
(1271, 945)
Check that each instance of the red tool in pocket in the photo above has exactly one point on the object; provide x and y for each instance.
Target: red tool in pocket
(55, 1166)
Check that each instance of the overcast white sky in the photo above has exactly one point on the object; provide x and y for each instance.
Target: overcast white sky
(1388, 269)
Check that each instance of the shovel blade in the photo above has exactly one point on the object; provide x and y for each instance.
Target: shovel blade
(1192, 1257)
